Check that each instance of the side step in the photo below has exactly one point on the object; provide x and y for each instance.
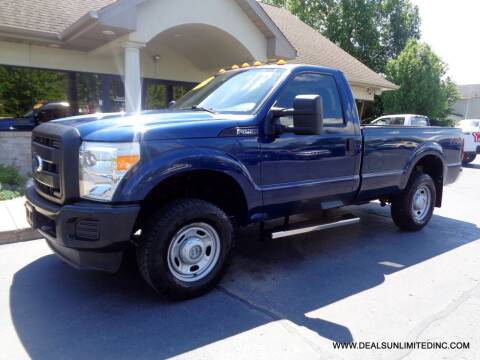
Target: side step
(298, 229)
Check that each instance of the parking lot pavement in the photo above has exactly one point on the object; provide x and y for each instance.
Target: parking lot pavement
(283, 299)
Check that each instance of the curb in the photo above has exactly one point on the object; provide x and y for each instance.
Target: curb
(20, 235)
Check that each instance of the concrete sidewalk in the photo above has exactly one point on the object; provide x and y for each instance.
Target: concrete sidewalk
(13, 223)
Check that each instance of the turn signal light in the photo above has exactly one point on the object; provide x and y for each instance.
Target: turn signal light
(125, 162)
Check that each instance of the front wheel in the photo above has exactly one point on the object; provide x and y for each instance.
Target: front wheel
(185, 248)
(413, 208)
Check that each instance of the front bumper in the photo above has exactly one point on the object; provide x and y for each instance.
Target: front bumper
(86, 235)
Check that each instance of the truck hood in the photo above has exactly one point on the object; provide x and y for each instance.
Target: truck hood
(168, 124)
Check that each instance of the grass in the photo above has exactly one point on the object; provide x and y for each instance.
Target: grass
(11, 183)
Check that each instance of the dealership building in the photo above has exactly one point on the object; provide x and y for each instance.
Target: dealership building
(150, 52)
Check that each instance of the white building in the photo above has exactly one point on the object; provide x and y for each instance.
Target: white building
(168, 43)
(468, 106)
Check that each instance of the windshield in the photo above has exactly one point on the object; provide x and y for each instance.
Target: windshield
(236, 92)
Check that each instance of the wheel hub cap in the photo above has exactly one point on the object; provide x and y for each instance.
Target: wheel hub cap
(421, 203)
(193, 252)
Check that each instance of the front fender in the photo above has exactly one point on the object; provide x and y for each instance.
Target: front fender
(157, 166)
(425, 149)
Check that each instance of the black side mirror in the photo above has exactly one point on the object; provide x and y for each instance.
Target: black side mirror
(307, 115)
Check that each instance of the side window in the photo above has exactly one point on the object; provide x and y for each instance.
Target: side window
(314, 84)
(398, 121)
(419, 121)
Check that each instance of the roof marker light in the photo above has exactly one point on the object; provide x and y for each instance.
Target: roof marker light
(222, 71)
(257, 63)
(245, 65)
(235, 67)
(281, 62)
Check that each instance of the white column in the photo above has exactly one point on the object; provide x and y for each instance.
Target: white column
(133, 76)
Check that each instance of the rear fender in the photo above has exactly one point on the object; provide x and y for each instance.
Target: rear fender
(422, 151)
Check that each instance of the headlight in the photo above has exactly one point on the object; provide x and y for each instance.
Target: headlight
(102, 167)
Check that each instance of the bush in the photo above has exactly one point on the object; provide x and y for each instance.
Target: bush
(11, 183)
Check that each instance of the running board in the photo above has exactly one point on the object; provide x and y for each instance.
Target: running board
(344, 221)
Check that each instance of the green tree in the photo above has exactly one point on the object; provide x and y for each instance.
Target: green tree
(355, 27)
(374, 31)
(400, 22)
(424, 88)
(21, 88)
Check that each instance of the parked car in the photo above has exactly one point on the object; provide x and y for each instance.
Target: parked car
(471, 138)
(402, 120)
(40, 114)
(246, 146)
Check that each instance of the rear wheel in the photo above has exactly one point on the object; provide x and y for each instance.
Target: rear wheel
(413, 208)
(185, 248)
(468, 158)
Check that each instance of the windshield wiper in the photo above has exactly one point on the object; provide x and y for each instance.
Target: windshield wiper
(200, 108)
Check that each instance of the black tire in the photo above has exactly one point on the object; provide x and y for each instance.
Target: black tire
(468, 158)
(159, 232)
(402, 205)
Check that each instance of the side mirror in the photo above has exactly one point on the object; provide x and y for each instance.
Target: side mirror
(307, 115)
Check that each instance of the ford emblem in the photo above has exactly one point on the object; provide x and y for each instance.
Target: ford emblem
(37, 163)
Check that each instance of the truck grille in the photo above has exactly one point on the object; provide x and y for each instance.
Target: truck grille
(55, 162)
(46, 166)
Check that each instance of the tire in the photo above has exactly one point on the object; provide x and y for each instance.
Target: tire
(410, 215)
(175, 238)
(468, 158)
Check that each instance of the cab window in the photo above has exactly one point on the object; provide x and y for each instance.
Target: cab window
(419, 121)
(314, 84)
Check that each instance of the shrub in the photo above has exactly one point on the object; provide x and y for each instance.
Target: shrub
(11, 182)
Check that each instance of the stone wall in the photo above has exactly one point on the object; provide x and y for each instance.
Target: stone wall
(15, 150)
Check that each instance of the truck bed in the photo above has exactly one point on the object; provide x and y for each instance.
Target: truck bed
(389, 153)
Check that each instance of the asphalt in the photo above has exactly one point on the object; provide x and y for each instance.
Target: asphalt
(283, 299)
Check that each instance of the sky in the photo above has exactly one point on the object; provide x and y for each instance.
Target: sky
(452, 29)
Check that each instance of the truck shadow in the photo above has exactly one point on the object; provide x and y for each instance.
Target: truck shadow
(472, 166)
(59, 312)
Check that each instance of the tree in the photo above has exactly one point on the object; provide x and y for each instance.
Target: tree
(21, 88)
(424, 89)
(374, 31)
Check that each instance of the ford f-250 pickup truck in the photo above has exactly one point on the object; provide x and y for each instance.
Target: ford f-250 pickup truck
(247, 145)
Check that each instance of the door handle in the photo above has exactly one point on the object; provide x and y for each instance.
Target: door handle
(350, 148)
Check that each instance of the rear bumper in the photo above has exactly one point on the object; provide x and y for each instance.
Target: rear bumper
(86, 235)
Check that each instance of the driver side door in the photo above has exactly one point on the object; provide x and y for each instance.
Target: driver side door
(303, 172)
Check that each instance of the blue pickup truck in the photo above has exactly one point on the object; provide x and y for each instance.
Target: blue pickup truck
(245, 146)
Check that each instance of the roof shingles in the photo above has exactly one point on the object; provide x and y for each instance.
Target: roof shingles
(50, 16)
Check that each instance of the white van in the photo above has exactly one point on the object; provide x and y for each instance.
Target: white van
(471, 137)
